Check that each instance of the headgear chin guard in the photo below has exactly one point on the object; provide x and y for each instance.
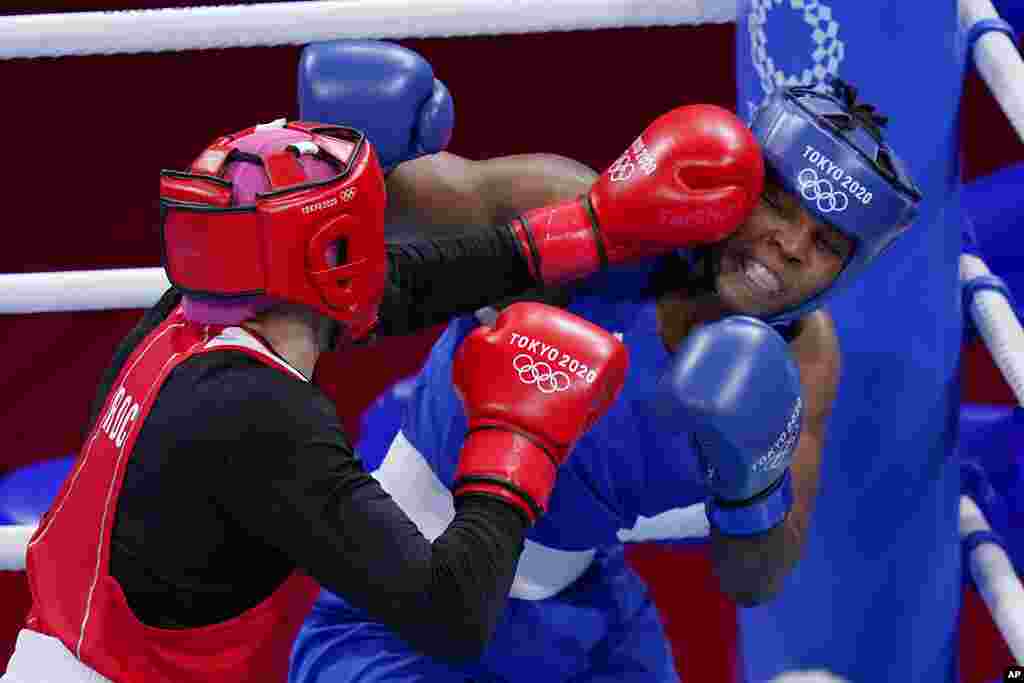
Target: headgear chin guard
(828, 151)
(282, 228)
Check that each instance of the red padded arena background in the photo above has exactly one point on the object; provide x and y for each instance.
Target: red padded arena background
(84, 138)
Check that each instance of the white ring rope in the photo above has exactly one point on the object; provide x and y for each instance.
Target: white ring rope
(14, 540)
(997, 582)
(296, 23)
(141, 287)
(988, 564)
(81, 290)
(998, 61)
(998, 325)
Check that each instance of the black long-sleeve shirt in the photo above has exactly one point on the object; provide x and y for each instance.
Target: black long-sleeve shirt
(242, 473)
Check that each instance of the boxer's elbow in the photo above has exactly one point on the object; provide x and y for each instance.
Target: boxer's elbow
(444, 628)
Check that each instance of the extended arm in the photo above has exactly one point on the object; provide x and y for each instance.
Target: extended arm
(443, 192)
(439, 267)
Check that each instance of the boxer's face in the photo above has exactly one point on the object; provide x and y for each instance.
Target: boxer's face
(780, 257)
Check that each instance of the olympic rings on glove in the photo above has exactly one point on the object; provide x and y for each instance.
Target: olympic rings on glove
(547, 379)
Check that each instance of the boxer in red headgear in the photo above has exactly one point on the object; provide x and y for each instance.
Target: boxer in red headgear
(311, 231)
(216, 477)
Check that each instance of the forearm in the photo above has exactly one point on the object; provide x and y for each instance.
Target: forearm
(751, 569)
(473, 565)
(805, 472)
(431, 281)
(445, 597)
(335, 522)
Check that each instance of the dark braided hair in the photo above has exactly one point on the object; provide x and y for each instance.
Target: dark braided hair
(861, 115)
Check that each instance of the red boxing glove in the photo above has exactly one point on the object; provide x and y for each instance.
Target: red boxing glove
(692, 177)
(531, 386)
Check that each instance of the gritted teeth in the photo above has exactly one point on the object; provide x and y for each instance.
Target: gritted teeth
(761, 276)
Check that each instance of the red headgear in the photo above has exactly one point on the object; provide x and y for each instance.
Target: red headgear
(312, 237)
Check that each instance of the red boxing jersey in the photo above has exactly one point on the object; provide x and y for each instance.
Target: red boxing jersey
(75, 598)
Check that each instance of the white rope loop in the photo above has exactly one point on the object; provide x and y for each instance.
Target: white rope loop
(998, 62)
(998, 325)
(997, 582)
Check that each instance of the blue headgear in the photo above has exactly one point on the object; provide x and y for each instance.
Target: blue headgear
(828, 151)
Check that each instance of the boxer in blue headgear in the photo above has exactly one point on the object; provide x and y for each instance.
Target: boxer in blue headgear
(826, 152)
(734, 367)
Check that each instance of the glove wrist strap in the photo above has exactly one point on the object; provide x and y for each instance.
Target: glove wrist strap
(561, 241)
(754, 516)
(506, 463)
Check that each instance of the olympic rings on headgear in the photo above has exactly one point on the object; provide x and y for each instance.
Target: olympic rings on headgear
(829, 150)
(547, 379)
(820, 191)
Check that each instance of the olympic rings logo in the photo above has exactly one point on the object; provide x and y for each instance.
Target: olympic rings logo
(547, 379)
(820, 191)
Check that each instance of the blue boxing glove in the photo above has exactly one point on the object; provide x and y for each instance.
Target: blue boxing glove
(383, 89)
(735, 387)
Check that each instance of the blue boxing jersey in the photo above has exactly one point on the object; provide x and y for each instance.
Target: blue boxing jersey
(626, 479)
